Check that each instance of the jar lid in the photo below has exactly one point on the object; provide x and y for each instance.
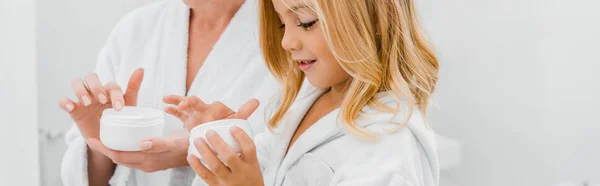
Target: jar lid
(134, 115)
(219, 123)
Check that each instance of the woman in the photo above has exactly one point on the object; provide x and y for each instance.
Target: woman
(185, 48)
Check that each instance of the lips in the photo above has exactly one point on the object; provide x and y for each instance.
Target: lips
(305, 64)
(307, 61)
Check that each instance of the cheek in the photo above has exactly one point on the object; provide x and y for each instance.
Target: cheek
(328, 71)
(321, 50)
(325, 53)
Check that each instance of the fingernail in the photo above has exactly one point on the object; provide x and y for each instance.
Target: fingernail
(69, 107)
(102, 98)
(86, 100)
(190, 157)
(146, 145)
(118, 105)
(210, 133)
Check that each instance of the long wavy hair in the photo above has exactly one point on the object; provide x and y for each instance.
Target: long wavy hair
(379, 43)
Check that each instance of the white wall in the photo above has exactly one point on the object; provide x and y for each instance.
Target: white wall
(519, 87)
(569, 50)
(18, 94)
(70, 34)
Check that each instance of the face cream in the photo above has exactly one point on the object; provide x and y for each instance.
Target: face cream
(124, 130)
(221, 127)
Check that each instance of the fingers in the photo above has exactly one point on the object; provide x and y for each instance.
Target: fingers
(246, 144)
(81, 92)
(133, 87)
(202, 171)
(214, 164)
(158, 145)
(193, 102)
(116, 95)
(66, 104)
(215, 111)
(247, 109)
(173, 99)
(225, 153)
(96, 88)
(177, 113)
(118, 157)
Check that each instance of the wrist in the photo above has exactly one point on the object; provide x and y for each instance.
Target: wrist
(95, 157)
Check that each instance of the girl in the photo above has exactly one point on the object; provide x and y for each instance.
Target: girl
(361, 121)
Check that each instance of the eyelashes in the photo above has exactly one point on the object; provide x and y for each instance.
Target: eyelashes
(303, 25)
(308, 24)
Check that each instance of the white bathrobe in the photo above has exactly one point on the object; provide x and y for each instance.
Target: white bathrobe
(326, 154)
(155, 37)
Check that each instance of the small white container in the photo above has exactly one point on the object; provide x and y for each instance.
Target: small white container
(124, 130)
(221, 127)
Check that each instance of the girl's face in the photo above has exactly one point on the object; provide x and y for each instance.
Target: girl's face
(306, 43)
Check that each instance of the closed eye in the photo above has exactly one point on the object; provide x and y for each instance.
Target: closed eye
(308, 24)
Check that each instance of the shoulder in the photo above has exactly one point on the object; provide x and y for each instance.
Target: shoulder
(404, 145)
(147, 17)
(389, 146)
(397, 135)
(150, 11)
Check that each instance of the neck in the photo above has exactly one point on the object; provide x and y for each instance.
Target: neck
(212, 14)
(338, 91)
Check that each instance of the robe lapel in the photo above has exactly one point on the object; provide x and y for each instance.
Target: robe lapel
(171, 59)
(173, 51)
(322, 131)
(288, 126)
(230, 55)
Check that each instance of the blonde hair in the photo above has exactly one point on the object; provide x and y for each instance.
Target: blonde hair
(379, 43)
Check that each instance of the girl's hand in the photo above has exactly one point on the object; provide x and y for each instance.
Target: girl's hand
(235, 169)
(193, 112)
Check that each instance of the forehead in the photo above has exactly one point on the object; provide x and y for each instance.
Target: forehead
(291, 6)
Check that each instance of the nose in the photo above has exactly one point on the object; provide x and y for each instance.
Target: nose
(290, 42)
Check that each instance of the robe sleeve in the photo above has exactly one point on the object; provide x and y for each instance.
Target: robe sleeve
(396, 159)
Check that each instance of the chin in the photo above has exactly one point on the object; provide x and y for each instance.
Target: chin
(318, 82)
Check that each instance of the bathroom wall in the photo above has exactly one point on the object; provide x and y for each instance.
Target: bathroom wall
(19, 163)
(519, 88)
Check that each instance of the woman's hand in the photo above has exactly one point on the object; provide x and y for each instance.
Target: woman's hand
(157, 154)
(193, 112)
(235, 169)
(95, 98)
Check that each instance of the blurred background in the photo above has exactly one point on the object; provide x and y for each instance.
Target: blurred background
(518, 96)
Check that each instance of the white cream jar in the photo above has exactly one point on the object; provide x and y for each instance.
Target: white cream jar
(221, 127)
(124, 130)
